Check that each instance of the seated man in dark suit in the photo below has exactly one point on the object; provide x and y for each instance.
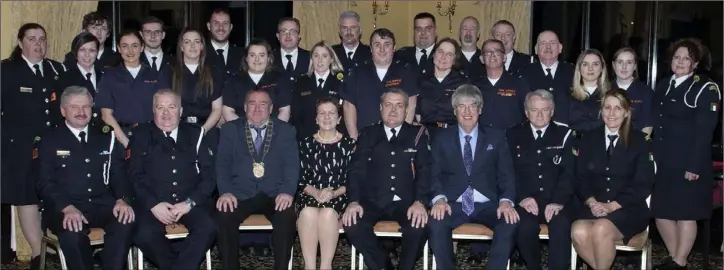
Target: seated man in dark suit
(389, 180)
(257, 169)
(472, 182)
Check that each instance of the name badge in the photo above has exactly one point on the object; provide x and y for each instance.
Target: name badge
(191, 120)
(410, 150)
(554, 147)
(26, 90)
(105, 153)
(62, 153)
(306, 93)
(150, 81)
(394, 82)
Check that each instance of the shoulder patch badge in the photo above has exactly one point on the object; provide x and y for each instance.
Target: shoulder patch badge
(648, 137)
(106, 129)
(713, 87)
(575, 151)
(340, 76)
(37, 138)
(35, 153)
(128, 153)
(211, 153)
(651, 156)
(696, 78)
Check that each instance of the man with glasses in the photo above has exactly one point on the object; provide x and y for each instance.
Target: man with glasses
(425, 36)
(550, 74)
(504, 31)
(350, 50)
(290, 59)
(153, 34)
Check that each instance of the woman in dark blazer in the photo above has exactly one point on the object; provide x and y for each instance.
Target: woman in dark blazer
(615, 172)
(641, 95)
(322, 80)
(686, 110)
(590, 84)
(82, 71)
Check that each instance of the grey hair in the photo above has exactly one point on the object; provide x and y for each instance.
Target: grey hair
(396, 91)
(74, 91)
(542, 94)
(349, 14)
(163, 92)
(467, 91)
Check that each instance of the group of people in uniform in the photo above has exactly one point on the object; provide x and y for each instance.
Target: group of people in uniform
(431, 136)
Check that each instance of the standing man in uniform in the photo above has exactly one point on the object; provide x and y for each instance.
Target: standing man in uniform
(97, 24)
(469, 34)
(551, 74)
(171, 164)
(367, 81)
(153, 33)
(82, 181)
(225, 56)
(290, 59)
(350, 50)
(504, 31)
(543, 160)
(388, 180)
(425, 36)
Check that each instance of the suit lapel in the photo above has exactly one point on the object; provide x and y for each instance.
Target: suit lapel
(457, 154)
(481, 149)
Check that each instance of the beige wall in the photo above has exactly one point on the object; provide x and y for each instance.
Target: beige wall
(319, 18)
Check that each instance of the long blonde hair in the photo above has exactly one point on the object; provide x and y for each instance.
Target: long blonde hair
(335, 66)
(622, 96)
(578, 92)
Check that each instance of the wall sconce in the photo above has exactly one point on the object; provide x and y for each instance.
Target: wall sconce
(449, 11)
(378, 10)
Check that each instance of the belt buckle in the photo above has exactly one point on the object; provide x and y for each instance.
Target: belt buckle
(441, 124)
(191, 120)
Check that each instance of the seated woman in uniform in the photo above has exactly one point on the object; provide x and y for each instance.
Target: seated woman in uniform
(323, 80)
(613, 183)
(626, 71)
(197, 82)
(686, 108)
(434, 105)
(321, 198)
(590, 84)
(257, 73)
(83, 71)
(125, 93)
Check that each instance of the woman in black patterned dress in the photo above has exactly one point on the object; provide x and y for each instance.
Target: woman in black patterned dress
(321, 198)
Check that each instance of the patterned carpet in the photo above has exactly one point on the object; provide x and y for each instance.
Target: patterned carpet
(342, 260)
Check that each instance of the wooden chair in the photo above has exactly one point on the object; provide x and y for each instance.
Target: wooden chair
(175, 231)
(467, 231)
(96, 238)
(260, 222)
(385, 229)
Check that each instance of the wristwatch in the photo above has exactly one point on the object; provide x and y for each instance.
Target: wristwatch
(190, 202)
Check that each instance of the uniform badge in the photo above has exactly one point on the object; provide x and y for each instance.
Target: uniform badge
(26, 90)
(575, 151)
(106, 129)
(128, 153)
(651, 156)
(713, 87)
(35, 153)
(211, 153)
(648, 137)
(62, 153)
(52, 96)
(37, 138)
(696, 78)
(306, 93)
(714, 107)
(340, 76)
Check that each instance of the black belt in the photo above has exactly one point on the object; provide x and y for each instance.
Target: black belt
(194, 120)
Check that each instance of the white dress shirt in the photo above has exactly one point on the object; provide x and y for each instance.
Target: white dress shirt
(553, 68)
(92, 71)
(295, 55)
(224, 47)
(323, 76)
(509, 58)
(608, 141)
(100, 53)
(159, 58)
(347, 51)
(680, 80)
(543, 131)
(173, 135)
(40, 64)
(428, 51)
(76, 132)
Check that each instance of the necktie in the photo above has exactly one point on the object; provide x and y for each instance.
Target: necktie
(81, 135)
(154, 66)
(423, 58)
(611, 138)
(549, 74)
(394, 134)
(290, 67)
(468, 199)
(539, 133)
(221, 54)
(321, 81)
(259, 138)
(169, 138)
(349, 55)
(88, 76)
(37, 71)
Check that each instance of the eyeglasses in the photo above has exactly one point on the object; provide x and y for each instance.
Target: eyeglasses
(491, 53)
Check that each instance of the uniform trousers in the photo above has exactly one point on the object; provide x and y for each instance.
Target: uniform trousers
(284, 223)
(76, 245)
(484, 213)
(363, 237)
(559, 243)
(151, 239)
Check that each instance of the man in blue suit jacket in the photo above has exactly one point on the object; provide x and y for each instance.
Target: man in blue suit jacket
(257, 169)
(472, 182)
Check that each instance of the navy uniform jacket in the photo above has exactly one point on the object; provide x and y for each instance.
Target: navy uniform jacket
(168, 59)
(234, 161)
(504, 102)
(407, 55)
(543, 168)
(492, 171)
(519, 61)
(473, 67)
(108, 59)
(84, 176)
(641, 97)
(381, 169)
(361, 54)
(131, 99)
(232, 65)
(434, 104)
(164, 172)
(300, 67)
(363, 88)
(685, 117)
(74, 77)
(196, 103)
(626, 177)
(584, 115)
(276, 83)
(535, 75)
(304, 102)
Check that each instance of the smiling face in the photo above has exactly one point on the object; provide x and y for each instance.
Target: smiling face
(327, 116)
(393, 109)
(167, 111)
(424, 34)
(220, 26)
(288, 35)
(613, 112)
(258, 107)
(506, 34)
(548, 47)
(467, 112)
(86, 54)
(257, 59)
(382, 50)
(682, 64)
(130, 48)
(444, 57)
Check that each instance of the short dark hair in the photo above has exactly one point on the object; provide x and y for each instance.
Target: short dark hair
(217, 11)
(492, 40)
(289, 19)
(383, 33)
(152, 19)
(456, 45)
(697, 51)
(80, 40)
(17, 52)
(130, 32)
(258, 90)
(94, 18)
(504, 22)
(425, 15)
(258, 42)
(330, 100)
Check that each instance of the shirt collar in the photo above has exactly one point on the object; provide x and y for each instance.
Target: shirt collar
(552, 67)
(263, 124)
(397, 128)
(174, 133)
(680, 80)
(76, 131)
(509, 56)
(428, 50)
(31, 64)
(534, 129)
(216, 46)
(83, 71)
(100, 53)
(321, 76)
(353, 50)
(609, 132)
(293, 53)
(473, 133)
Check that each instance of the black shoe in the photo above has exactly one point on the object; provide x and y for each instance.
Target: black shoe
(394, 258)
(35, 263)
(474, 259)
(97, 259)
(667, 264)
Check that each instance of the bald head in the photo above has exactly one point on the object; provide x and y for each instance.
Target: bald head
(469, 31)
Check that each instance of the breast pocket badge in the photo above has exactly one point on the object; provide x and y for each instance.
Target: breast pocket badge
(62, 153)
(26, 90)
